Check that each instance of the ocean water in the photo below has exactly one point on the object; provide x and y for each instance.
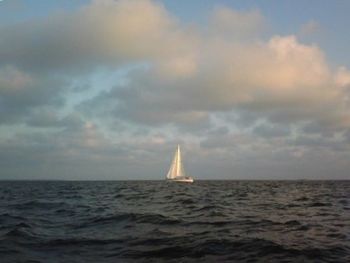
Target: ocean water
(156, 221)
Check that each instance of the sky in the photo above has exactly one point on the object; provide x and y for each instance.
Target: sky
(105, 90)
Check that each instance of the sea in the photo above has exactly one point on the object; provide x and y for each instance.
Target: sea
(158, 221)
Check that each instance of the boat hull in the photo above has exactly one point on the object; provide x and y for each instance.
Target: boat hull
(182, 180)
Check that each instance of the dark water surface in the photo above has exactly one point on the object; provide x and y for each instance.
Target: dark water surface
(156, 221)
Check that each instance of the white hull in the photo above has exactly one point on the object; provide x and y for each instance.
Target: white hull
(182, 180)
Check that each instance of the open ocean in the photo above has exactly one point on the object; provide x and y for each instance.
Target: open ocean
(157, 221)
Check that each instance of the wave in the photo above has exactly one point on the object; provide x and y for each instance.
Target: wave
(240, 249)
(155, 222)
(20, 234)
(7, 217)
(37, 205)
(319, 204)
(148, 218)
(80, 242)
(247, 223)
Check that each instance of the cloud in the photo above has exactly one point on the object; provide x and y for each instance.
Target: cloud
(48, 118)
(83, 151)
(101, 33)
(53, 51)
(273, 131)
(188, 76)
(236, 25)
(231, 93)
(20, 92)
(310, 28)
(280, 81)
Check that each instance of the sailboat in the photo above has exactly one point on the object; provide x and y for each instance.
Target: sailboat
(176, 172)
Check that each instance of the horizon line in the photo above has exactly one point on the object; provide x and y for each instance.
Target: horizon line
(135, 180)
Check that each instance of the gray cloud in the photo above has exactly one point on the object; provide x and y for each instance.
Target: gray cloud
(322, 143)
(48, 118)
(189, 75)
(20, 92)
(101, 33)
(272, 131)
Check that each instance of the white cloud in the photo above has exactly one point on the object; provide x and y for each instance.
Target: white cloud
(101, 33)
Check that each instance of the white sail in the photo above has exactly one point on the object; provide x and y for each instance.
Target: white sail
(176, 171)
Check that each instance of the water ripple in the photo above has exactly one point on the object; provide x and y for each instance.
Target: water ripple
(155, 221)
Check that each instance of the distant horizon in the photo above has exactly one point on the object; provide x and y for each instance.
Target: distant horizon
(161, 180)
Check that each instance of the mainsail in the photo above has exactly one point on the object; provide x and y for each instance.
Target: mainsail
(176, 169)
